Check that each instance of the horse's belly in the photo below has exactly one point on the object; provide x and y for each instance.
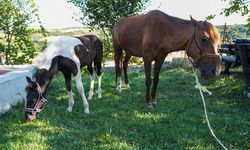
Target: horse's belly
(133, 53)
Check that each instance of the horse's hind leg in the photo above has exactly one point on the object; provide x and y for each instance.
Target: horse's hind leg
(118, 68)
(92, 81)
(125, 69)
(98, 66)
(157, 68)
(67, 77)
(80, 89)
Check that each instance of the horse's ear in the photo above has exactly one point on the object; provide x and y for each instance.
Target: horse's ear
(28, 79)
(194, 22)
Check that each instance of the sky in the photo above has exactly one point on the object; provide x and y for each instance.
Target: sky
(60, 14)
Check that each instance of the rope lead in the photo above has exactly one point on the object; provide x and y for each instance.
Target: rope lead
(203, 89)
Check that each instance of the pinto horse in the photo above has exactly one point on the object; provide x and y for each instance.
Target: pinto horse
(154, 35)
(67, 55)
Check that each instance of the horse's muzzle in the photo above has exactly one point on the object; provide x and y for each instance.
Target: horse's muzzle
(209, 71)
(30, 117)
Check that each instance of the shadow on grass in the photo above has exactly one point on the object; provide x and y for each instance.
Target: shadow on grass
(123, 122)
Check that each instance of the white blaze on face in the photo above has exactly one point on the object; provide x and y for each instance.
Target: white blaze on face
(216, 48)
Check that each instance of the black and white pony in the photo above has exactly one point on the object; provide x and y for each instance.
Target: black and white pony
(67, 55)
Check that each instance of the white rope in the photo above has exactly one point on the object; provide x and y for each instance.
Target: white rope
(203, 89)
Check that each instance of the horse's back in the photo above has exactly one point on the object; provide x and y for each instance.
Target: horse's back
(58, 46)
(136, 32)
(95, 50)
(93, 40)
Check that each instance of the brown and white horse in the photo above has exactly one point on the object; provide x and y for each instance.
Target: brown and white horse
(67, 55)
(154, 35)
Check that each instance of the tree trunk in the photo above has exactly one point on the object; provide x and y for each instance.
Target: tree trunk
(1, 61)
(7, 53)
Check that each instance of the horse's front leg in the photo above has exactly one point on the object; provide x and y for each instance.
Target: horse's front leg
(147, 67)
(125, 69)
(67, 77)
(80, 89)
(157, 68)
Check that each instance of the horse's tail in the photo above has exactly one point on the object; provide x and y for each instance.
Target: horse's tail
(99, 55)
(116, 46)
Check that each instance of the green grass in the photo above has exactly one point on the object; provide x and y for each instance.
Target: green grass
(123, 121)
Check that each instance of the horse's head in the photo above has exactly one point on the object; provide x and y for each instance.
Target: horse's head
(35, 94)
(203, 48)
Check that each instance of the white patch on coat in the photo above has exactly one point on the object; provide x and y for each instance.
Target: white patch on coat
(100, 86)
(80, 89)
(119, 84)
(71, 101)
(58, 46)
(92, 84)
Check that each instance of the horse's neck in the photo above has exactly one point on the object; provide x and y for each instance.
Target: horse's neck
(183, 35)
(44, 85)
(47, 77)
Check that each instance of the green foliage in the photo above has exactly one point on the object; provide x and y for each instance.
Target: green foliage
(104, 14)
(122, 121)
(234, 32)
(17, 42)
(241, 7)
(210, 17)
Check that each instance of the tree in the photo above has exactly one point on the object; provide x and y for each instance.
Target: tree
(103, 14)
(241, 7)
(17, 43)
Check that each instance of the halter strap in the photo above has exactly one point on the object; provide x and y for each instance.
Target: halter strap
(198, 58)
(39, 103)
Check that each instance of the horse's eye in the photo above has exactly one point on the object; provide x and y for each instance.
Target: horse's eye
(204, 39)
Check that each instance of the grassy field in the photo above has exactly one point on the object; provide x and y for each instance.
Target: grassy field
(123, 122)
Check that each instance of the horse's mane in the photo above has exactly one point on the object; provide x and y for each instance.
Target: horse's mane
(215, 36)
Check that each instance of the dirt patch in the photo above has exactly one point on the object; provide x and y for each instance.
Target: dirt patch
(4, 71)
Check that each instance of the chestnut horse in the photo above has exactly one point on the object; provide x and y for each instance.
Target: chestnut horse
(154, 35)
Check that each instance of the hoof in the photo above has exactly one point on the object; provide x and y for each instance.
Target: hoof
(248, 95)
(69, 109)
(86, 110)
(99, 96)
(127, 86)
(150, 108)
(154, 102)
(90, 96)
(119, 90)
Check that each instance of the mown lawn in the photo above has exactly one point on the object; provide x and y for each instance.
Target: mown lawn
(123, 121)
